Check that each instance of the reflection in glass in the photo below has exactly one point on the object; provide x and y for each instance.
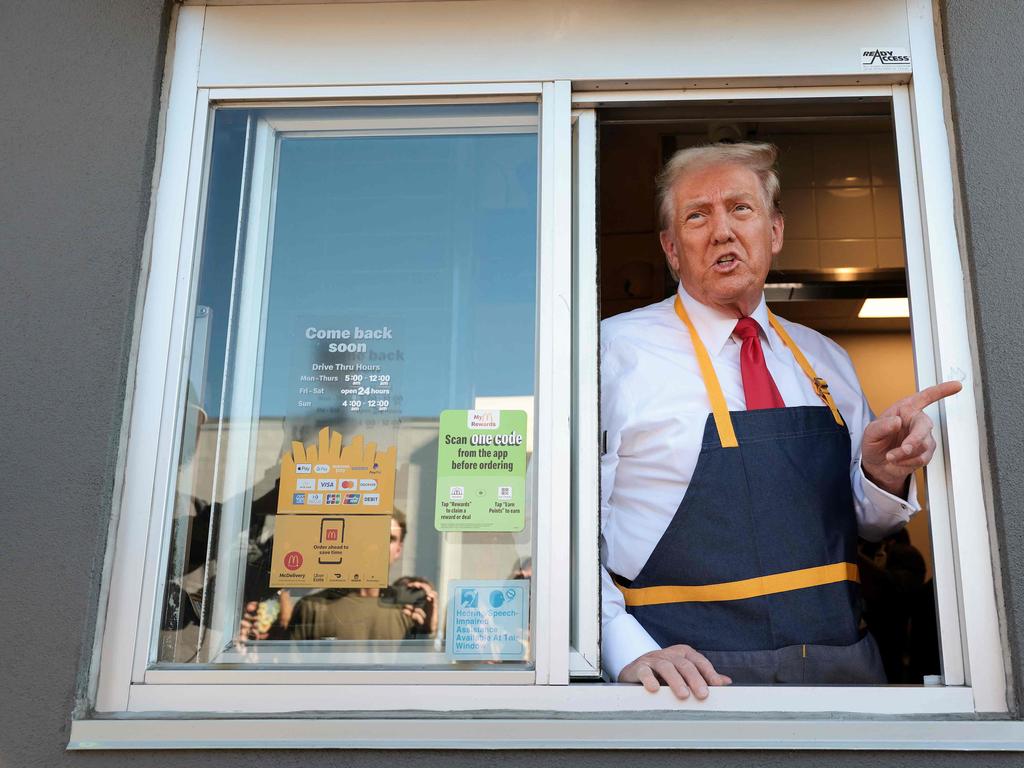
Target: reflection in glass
(361, 271)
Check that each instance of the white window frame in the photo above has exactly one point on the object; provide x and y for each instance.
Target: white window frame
(237, 462)
(129, 702)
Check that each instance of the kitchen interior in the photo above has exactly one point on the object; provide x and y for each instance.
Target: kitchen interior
(842, 271)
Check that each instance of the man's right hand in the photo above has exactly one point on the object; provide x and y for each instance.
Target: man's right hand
(679, 667)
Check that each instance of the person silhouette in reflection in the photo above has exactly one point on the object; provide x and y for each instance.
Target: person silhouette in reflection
(405, 610)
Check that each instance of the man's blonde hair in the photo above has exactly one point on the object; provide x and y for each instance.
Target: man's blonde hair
(758, 157)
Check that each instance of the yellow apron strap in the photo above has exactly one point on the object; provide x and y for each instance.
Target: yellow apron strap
(741, 590)
(718, 407)
(820, 385)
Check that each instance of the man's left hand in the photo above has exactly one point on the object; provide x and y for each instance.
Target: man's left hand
(900, 441)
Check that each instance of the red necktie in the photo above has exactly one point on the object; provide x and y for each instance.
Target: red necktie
(758, 386)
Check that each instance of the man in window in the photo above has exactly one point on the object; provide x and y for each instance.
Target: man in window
(741, 459)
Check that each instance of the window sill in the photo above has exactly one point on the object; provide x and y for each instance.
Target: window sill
(254, 697)
(611, 731)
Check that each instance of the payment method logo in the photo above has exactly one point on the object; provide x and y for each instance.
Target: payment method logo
(298, 498)
(306, 484)
(322, 468)
(333, 498)
(315, 498)
(371, 499)
(327, 485)
(367, 485)
(351, 498)
(303, 469)
(347, 485)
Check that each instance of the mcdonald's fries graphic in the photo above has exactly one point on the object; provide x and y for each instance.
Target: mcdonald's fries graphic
(322, 478)
(334, 514)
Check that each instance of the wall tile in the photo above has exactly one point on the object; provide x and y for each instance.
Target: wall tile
(847, 253)
(796, 162)
(888, 222)
(890, 252)
(798, 205)
(798, 254)
(884, 170)
(841, 161)
(845, 213)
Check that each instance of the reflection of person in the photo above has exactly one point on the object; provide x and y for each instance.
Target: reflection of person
(751, 577)
(893, 580)
(406, 609)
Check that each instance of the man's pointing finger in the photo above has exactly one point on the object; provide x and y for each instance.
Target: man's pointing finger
(929, 395)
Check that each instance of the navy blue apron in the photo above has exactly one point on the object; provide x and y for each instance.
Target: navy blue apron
(757, 569)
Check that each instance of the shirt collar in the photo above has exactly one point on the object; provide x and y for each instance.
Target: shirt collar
(715, 327)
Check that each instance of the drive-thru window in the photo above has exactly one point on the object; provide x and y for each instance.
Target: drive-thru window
(362, 475)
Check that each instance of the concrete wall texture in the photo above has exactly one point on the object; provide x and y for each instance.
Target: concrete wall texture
(78, 127)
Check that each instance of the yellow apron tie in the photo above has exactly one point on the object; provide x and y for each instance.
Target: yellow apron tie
(723, 420)
(820, 385)
(741, 590)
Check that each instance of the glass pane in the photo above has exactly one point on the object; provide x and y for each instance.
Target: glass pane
(354, 482)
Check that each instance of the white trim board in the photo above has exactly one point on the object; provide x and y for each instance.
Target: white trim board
(537, 40)
(243, 696)
(547, 733)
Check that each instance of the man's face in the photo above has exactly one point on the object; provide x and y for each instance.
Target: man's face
(395, 551)
(723, 237)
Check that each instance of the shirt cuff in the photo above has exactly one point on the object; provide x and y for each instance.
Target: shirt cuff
(888, 505)
(623, 641)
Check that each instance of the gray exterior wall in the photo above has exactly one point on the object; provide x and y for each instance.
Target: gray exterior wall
(985, 60)
(78, 130)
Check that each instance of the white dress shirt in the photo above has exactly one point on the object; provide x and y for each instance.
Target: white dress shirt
(653, 410)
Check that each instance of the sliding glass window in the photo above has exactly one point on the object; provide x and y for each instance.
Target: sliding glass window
(354, 483)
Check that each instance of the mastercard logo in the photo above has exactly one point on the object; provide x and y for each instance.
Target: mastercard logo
(346, 484)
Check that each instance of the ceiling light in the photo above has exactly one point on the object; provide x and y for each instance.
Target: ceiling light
(885, 308)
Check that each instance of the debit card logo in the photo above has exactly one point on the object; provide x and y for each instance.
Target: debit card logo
(371, 499)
